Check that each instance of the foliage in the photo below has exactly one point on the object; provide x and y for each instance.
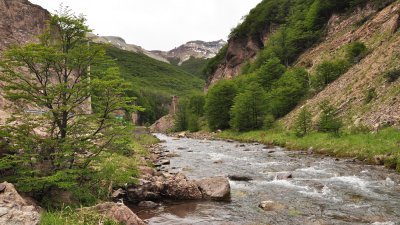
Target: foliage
(355, 52)
(212, 64)
(68, 216)
(219, 101)
(288, 92)
(371, 94)
(193, 123)
(194, 66)
(182, 115)
(269, 72)
(249, 108)
(392, 75)
(269, 122)
(60, 147)
(328, 71)
(174, 61)
(303, 122)
(328, 121)
(196, 104)
(359, 145)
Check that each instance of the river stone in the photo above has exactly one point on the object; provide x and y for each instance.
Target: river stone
(178, 187)
(120, 213)
(16, 210)
(165, 162)
(216, 188)
(271, 206)
(147, 204)
(284, 176)
(239, 178)
(145, 170)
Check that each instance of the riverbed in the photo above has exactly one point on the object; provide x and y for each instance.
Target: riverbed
(313, 189)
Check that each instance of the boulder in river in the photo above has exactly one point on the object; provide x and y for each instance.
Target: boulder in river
(239, 178)
(14, 209)
(120, 213)
(165, 162)
(147, 204)
(180, 188)
(271, 206)
(216, 188)
(182, 135)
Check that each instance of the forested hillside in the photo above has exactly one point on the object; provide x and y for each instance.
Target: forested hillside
(153, 82)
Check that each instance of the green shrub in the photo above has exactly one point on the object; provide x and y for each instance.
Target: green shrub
(249, 108)
(219, 101)
(355, 52)
(371, 94)
(303, 122)
(328, 71)
(193, 123)
(269, 122)
(328, 121)
(182, 115)
(392, 75)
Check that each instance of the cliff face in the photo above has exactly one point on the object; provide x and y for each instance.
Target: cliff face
(196, 49)
(20, 22)
(238, 53)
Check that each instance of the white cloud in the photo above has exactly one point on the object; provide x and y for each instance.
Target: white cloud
(159, 24)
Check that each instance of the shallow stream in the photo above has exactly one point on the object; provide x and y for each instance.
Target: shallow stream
(323, 190)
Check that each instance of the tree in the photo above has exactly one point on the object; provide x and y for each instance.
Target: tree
(219, 101)
(270, 71)
(62, 146)
(329, 71)
(249, 108)
(303, 122)
(182, 115)
(196, 104)
(328, 121)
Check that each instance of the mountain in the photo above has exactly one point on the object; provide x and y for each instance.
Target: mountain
(311, 36)
(176, 56)
(120, 43)
(196, 49)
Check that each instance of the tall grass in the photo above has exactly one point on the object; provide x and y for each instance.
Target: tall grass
(382, 148)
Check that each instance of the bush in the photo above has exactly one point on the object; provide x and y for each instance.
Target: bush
(355, 52)
(303, 122)
(269, 122)
(249, 108)
(219, 101)
(392, 75)
(193, 123)
(196, 104)
(328, 71)
(371, 94)
(181, 116)
(328, 122)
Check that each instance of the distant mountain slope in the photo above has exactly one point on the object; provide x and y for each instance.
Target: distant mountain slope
(120, 43)
(147, 73)
(196, 49)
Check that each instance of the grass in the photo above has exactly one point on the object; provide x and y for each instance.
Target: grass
(382, 148)
(70, 216)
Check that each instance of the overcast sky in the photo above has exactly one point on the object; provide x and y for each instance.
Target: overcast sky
(159, 24)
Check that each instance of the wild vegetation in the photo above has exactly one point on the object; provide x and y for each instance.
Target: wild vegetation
(65, 147)
(154, 82)
(271, 87)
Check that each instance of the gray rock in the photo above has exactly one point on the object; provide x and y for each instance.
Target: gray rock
(216, 188)
(239, 178)
(16, 210)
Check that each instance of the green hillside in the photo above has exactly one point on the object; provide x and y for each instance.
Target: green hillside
(194, 66)
(147, 73)
(153, 82)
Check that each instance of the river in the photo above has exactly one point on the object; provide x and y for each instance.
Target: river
(323, 190)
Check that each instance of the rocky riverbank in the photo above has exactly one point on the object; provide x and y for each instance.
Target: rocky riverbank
(159, 184)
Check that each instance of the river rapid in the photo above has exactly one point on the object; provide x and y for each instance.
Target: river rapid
(322, 190)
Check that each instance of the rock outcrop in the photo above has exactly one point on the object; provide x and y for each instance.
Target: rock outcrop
(14, 209)
(118, 212)
(196, 49)
(20, 22)
(163, 125)
(238, 53)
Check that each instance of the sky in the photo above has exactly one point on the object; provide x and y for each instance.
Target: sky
(158, 24)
